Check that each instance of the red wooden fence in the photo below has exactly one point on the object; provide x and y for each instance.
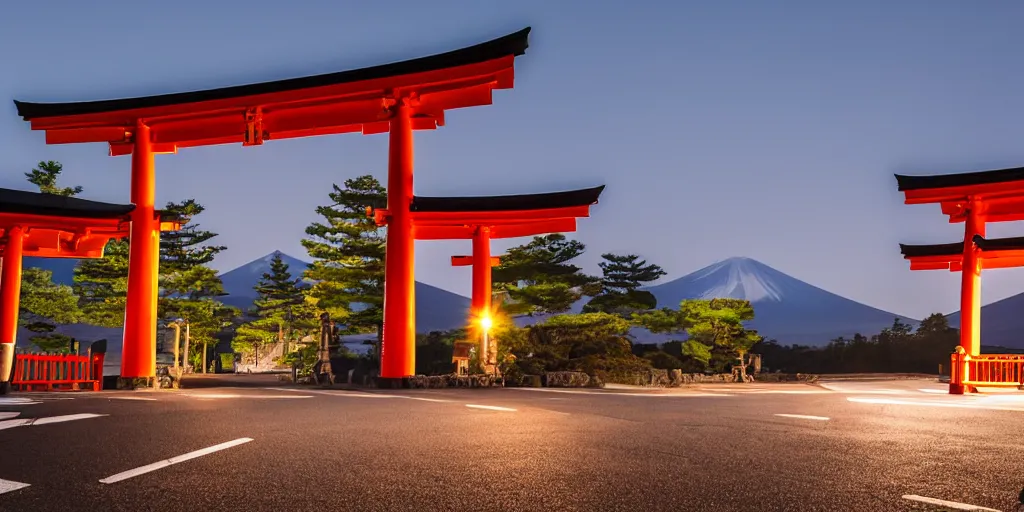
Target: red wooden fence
(57, 371)
(985, 370)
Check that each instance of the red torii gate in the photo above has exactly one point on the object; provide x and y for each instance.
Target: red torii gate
(974, 198)
(49, 226)
(396, 98)
(484, 218)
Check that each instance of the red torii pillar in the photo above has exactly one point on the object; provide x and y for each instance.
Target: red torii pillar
(970, 282)
(10, 295)
(480, 303)
(398, 350)
(138, 357)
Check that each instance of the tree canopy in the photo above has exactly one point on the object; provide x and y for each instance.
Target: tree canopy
(622, 276)
(540, 277)
(348, 249)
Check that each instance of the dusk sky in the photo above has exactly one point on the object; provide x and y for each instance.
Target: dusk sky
(761, 129)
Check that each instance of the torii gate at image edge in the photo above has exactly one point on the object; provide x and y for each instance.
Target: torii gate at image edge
(395, 98)
(974, 198)
(484, 218)
(49, 226)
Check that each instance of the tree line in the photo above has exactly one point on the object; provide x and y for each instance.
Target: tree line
(537, 279)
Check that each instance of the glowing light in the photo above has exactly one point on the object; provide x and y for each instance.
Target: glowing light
(486, 322)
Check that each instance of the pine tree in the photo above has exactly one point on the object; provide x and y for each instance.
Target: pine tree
(43, 306)
(622, 278)
(348, 248)
(281, 311)
(102, 285)
(539, 277)
(45, 177)
(188, 286)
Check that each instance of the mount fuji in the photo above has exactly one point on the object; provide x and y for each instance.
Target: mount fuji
(786, 309)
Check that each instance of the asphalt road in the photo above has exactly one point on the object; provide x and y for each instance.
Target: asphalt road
(855, 447)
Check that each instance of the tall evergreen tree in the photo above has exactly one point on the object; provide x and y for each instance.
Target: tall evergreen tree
(45, 177)
(281, 310)
(102, 285)
(43, 306)
(540, 278)
(188, 286)
(622, 278)
(347, 248)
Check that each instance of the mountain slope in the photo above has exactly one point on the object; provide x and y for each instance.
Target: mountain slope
(1001, 322)
(436, 309)
(786, 308)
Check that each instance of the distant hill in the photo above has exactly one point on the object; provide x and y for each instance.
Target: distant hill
(436, 309)
(786, 308)
(1001, 322)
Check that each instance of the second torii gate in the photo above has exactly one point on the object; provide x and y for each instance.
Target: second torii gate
(51, 226)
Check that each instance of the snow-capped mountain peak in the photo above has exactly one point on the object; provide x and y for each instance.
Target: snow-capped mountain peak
(738, 278)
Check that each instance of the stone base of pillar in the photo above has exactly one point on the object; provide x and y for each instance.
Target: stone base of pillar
(393, 383)
(131, 383)
(956, 389)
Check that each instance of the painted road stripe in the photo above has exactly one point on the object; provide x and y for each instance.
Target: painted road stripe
(8, 415)
(173, 460)
(439, 400)
(955, 405)
(131, 398)
(8, 486)
(355, 394)
(490, 407)
(18, 401)
(948, 504)
(612, 393)
(803, 417)
(21, 422)
(211, 396)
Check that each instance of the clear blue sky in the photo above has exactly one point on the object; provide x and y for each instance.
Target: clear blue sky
(761, 129)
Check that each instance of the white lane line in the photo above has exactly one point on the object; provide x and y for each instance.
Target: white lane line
(4, 425)
(354, 394)
(211, 396)
(613, 393)
(18, 401)
(130, 398)
(955, 405)
(8, 486)
(9, 415)
(67, 417)
(804, 417)
(937, 391)
(173, 460)
(426, 399)
(490, 407)
(948, 504)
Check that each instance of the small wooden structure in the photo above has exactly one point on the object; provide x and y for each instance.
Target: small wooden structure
(460, 357)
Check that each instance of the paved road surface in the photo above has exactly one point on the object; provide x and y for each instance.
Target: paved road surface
(847, 446)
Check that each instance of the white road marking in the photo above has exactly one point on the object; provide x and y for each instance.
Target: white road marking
(67, 417)
(612, 393)
(173, 460)
(130, 398)
(8, 486)
(18, 401)
(804, 417)
(439, 400)
(355, 394)
(490, 407)
(934, 403)
(211, 396)
(8, 415)
(948, 504)
(21, 422)
(4, 425)
(937, 391)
